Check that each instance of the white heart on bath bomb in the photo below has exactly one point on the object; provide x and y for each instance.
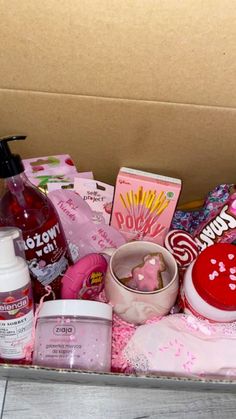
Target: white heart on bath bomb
(213, 261)
(232, 286)
(230, 256)
(232, 277)
(152, 261)
(140, 277)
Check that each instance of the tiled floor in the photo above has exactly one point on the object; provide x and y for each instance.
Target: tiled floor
(33, 400)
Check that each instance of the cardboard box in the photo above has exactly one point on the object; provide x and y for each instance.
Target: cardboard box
(143, 84)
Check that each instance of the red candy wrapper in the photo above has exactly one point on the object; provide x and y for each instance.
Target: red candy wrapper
(220, 228)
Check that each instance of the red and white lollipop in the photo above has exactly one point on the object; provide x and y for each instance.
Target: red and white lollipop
(182, 246)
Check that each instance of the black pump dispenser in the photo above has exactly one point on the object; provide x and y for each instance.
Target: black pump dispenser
(10, 164)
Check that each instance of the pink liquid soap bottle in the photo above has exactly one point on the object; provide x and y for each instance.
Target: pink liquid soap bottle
(24, 206)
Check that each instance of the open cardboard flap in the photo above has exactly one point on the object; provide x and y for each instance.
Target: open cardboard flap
(143, 84)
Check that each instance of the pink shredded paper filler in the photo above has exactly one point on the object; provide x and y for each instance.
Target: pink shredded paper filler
(121, 334)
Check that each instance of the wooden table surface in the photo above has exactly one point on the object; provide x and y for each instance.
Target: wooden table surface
(31, 400)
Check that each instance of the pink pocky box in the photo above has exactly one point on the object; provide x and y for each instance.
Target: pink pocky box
(144, 204)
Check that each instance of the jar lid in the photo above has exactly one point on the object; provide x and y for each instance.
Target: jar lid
(81, 308)
(214, 276)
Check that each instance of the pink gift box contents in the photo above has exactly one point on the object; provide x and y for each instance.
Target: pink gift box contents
(144, 204)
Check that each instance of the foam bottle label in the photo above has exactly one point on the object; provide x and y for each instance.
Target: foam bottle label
(16, 322)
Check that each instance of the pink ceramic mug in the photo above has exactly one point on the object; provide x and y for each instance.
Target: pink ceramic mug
(138, 306)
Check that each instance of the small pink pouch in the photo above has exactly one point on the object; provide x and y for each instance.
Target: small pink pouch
(52, 186)
(179, 344)
(98, 195)
(43, 170)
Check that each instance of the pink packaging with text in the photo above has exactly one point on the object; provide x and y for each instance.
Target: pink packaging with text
(144, 204)
(98, 195)
(43, 170)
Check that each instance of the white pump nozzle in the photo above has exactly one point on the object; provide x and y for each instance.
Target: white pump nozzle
(7, 250)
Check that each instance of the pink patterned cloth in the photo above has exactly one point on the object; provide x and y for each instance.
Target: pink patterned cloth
(182, 345)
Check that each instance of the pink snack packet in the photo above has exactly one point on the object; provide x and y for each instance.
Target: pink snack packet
(83, 234)
(98, 195)
(144, 204)
(69, 185)
(43, 170)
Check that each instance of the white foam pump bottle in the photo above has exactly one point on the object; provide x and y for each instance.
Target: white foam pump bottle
(16, 304)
